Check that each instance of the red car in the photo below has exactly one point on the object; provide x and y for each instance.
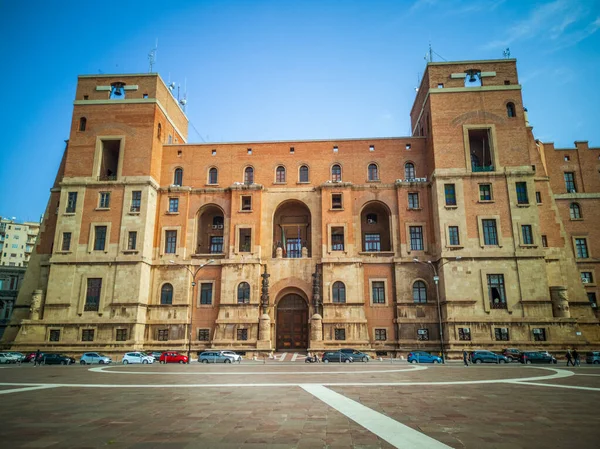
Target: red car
(173, 357)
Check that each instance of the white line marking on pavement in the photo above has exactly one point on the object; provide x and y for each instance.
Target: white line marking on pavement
(294, 356)
(572, 387)
(395, 433)
(587, 374)
(21, 390)
(283, 357)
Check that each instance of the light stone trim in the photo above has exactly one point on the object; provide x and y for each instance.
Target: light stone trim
(385, 292)
(199, 283)
(330, 250)
(92, 237)
(407, 226)
(179, 250)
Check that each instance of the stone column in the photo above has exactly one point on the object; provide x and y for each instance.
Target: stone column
(264, 322)
(36, 304)
(560, 302)
(316, 331)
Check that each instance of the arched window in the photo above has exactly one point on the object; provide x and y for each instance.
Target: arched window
(409, 171)
(373, 172)
(510, 110)
(419, 292)
(249, 175)
(159, 131)
(336, 173)
(280, 174)
(243, 293)
(178, 178)
(82, 123)
(213, 176)
(166, 294)
(304, 173)
(575, 211)
(339, 292)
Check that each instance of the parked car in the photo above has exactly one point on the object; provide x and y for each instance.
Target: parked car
(530, 357)
(94, 357)
(213, 357)
(14, 356)
(234, 356)
(5, 358)
(337, 356)
(488, 357)
(357, 356)
(29, 357)
(57, 359)
(423, 357)
(593, 357)
(137, 357)
(155, 354)
(513, 354)
(172, 357)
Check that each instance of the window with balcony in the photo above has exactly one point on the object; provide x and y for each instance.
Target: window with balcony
(372, 242)
(480, 150)
(216, 244)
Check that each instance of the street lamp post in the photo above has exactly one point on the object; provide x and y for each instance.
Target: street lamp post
(194, 274)
(436, 280)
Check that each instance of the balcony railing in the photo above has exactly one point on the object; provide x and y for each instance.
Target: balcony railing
(482, 168)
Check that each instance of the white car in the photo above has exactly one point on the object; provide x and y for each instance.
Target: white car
(137, 357)
(6, 358)
(94, 357)
(232, 355)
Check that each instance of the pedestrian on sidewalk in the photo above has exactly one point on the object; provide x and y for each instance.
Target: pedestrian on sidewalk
(37, 359)
(569, 358)
(575, 358)
(466, 357)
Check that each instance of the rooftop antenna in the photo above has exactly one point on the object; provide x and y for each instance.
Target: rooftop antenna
(152, 56)
(183, 101)
(506, 53)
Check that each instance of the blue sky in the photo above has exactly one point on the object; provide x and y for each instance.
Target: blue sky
(271, 70)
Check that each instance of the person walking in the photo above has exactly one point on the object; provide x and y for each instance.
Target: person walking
(569, 358)
(37, 358)
(575, 358)
(466, 357)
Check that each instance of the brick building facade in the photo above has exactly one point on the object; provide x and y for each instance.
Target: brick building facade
(317, 244)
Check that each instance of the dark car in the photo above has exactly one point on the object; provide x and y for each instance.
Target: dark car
(513, 354)
(357, 356)
(530, 357)
(337, 356)
(488, 357)
(57, 359)
(593, 357)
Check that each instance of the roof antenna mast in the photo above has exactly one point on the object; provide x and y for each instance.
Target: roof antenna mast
(152, 56)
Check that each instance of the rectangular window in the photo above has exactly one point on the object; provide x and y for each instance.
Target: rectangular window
(121, 335)
(581, 249)
(490, 234)
(539, 334)
(337, 239)
(501, 333)
(87, 335)
(450, 193)
(481, 150)
(527, 234)
(71, 202)
(246, 202)
(570, 182)
(336, 201)
(423, 334)
(340, 334)
(416, 238)
(464, 333)
(104, 200)
(453, 236)
(170, 242)
(378, 292)
(485, 192)
(163, 335)
(66, 241)
(203, 334)
(136, 200)
(496, 291)
(242, 334)
(99, 238)
(245, 240)
(92, 296)
(522, 196)
(372, 242)
(544, 241)
(206, 293)
(538, 197)
(586, 277)
(413, 200)
(173, 205)
(592, 298)
(216, 244)
(54, 335)
(380, 334)
(132, 240)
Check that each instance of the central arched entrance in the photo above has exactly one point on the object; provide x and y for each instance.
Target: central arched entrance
(292, 323)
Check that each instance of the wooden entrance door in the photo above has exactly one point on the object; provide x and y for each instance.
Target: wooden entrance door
(292, 323)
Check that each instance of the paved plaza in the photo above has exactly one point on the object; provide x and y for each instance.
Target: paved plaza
(295, 405)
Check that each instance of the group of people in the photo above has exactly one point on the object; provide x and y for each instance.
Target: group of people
(573, 357)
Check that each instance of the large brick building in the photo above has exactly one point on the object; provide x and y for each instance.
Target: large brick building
(353, 233)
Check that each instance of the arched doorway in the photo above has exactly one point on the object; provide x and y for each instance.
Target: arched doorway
(292, 323)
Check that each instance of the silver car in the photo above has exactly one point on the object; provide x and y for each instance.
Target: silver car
(90, 358)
